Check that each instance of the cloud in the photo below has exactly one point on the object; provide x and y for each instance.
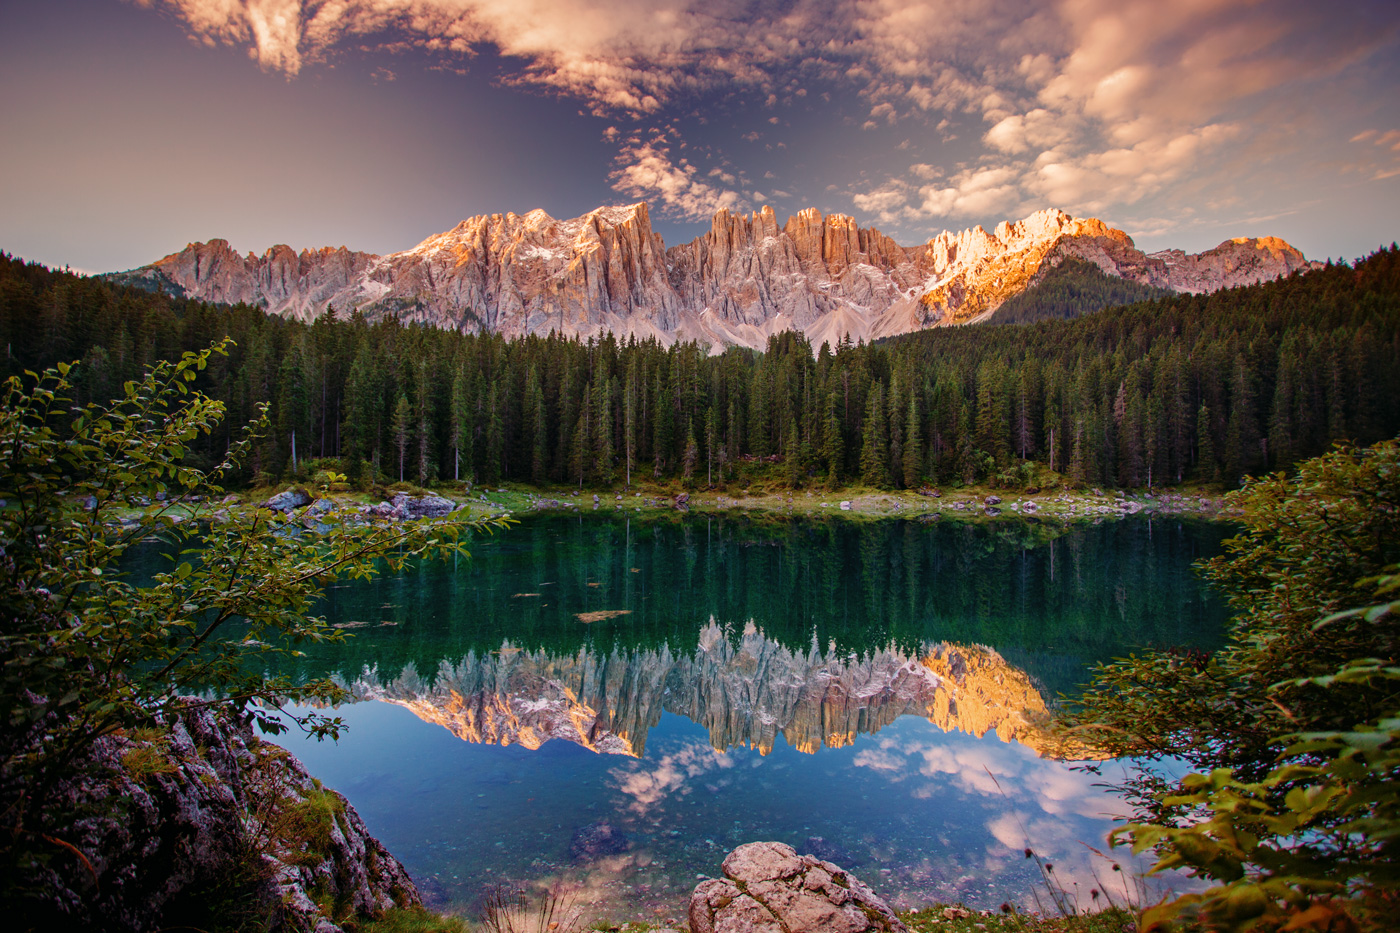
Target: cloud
(994, 190)
(647, 171)
(1084, 104)
(886, 201)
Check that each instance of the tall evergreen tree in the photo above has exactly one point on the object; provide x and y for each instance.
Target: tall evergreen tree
(401, 428)
(875, 444)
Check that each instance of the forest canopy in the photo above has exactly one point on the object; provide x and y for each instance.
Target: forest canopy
(1205, 388)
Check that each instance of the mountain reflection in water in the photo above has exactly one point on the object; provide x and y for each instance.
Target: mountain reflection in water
(744, 694)
(832, 685)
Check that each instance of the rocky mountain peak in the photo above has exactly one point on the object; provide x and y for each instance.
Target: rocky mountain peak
(745, 279)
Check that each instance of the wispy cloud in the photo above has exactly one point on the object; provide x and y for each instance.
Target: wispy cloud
(1083, 104)
(648, 170)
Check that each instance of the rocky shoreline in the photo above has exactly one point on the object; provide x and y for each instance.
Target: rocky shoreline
(199, 820)
(1057, 506)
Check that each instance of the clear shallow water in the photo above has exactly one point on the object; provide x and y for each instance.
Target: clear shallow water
(869, 692)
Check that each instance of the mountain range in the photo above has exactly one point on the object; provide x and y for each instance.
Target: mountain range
(739, 283)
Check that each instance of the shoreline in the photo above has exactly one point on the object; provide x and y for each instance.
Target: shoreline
(1053, 508)
(968, 505)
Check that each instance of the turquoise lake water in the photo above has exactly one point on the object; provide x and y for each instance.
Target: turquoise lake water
(615, 705)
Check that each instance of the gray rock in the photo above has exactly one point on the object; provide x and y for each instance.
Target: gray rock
(769, 888)
(90, 503)
(293, 498)
(429, 506)
(992, 500)
(385, 511)
(846, 505)
(321, 507)
(161, 841)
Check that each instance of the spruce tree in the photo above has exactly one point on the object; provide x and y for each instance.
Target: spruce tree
(913, 445)
(401, 427)
(875, 442)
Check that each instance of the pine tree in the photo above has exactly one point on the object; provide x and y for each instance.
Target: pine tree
(913, 445)
(603, 432)
(895, 408)
(427, 468)
(401, 427)
(875, 443)
(629, 422)
(1207, 466)
(495, 436)
(690, 455)
(581, 449)
(536, 426)
(833, 440)
(461, 427)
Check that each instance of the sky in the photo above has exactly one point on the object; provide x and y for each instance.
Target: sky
(134, 127)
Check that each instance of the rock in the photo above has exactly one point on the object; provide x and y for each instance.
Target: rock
(230, 499)
(769, 888)
(321, 507)
(1031, 506)
(386, 511)
(90, 503)
(738, 283)
(683, 502)
(992, 500)
(845, 505)
(429, 506)
(596, 840)
(164, 840)
(293, 498)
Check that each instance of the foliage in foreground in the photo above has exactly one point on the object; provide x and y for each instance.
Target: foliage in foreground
(1295, 725)
(88, 652)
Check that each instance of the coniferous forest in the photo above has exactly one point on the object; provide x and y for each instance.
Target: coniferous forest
(1179, 389)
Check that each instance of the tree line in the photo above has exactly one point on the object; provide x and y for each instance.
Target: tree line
(1185, 388)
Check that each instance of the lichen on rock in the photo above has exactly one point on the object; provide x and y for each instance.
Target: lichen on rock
(202, 821)
(768, 888)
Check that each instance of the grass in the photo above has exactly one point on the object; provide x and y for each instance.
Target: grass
(952, 918)
(147, 759)
(409, 920)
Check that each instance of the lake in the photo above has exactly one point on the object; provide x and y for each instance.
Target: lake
(617, 704)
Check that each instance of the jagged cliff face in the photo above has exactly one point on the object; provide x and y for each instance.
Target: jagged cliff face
(744, 695)
(744, 280)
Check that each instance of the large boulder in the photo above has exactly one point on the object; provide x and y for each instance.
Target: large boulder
(429, 506)
(293, 498)
(769, 888)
